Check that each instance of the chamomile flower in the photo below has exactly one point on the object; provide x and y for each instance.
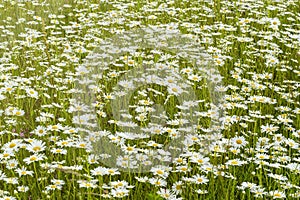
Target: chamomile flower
(53, 187)
(12, 145)
(199, 179)
(177, 187)
(22, 188)
(99, 171)
(5, 197)
(12, 164)
(113, 171)
(235, 162)
(58, 151)
(18, 112)
(166, 193)
(238, 142)
(40, 131)
(276, 194)
(32, 93)
(34, 158)
(57, 182)
(36, 146)
(161, 171)
(87, 184)
(11, 180)
(23, 171)
(120, 193)
(158, 182)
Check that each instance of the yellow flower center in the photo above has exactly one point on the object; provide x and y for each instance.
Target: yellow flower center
(239, 141)
(36, 148)
(12, 145)
(33, 158)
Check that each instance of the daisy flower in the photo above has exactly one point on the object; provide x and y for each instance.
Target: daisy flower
(158, 182)
(23, 188)
(276, 194)
(32, 93)
(199, 179)
(161, 171)
(238, 142)
(23, 171)
(36, 146)
(34, 158)
(235, 162)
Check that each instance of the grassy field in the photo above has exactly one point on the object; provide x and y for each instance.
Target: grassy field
(80, 118)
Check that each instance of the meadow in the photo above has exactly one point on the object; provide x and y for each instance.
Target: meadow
(179, 99)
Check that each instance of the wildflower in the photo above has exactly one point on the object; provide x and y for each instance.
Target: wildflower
(200, 160)
(187, 70)
(235, 162)
(129, 149)
(238, 142)
(158, 182)
(258, 192)
(81, 144)
(274, 23)
(53, 187)
(34, 158)
(177, 187)
(57, 182)
(166, 193)
(161, 171)
(262, 156)
(113, 171)
(174, 89)
(58, 151)
(23, 171)
(199, 179)
(12, 145)
(8, 198)
(249, 185)
(56, 127)
(120, 193)
(278, 139)
(92, 159)
(87, 184)
(64, 143)
(179, 161)
(194, 77)
(119, 184)
(6, 155)
(126, 161)
(11, 180)
(277, 194)
(99, 171)
(235, 150)
(278, 176)
(32, 93)
(183, 169)
(271, 61)
(18, 112)
(269, 128)
(292, 143)
(23, 188)
(142, 179)
(154, 144)
(40, 131)
(293, 167)
(199, 191)
(36, 146)
(11, 164)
